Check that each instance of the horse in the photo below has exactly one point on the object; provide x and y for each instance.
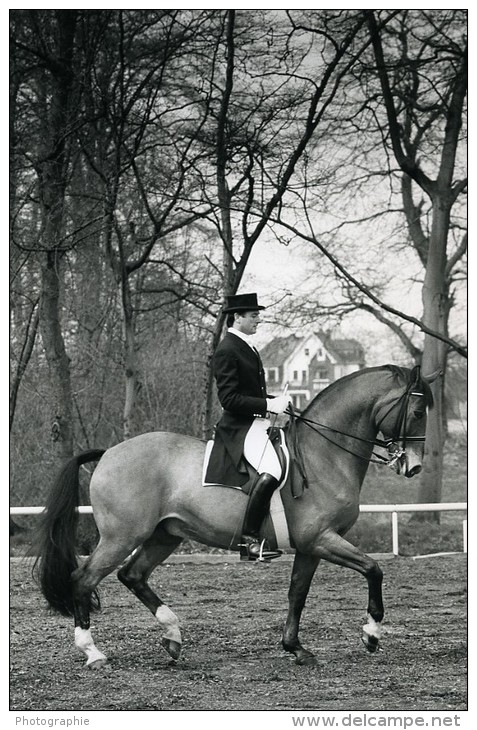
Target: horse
(147, 496)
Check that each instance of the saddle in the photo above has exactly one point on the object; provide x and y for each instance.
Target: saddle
(248, 473)
(275, 526)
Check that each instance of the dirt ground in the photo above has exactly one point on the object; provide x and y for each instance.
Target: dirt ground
(231, 618)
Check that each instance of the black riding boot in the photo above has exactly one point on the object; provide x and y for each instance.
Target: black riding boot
(253, 548)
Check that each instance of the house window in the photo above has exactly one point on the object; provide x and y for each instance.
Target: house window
(303, 376)
(296, 400)
(272, 375)
(295, 375)
(307, 351)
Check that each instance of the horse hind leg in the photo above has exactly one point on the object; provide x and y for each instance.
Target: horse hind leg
(134, 575)
(105, 558)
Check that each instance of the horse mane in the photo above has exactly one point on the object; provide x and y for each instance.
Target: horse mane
(400, 374)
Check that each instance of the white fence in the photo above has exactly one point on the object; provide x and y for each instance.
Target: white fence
(394, 509)
(427, 507)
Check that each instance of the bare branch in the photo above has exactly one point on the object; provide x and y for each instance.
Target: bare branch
(368, 293)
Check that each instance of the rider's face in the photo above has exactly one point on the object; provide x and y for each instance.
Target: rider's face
(247, 322)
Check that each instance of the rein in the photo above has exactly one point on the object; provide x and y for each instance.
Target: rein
(390, 444)
(315, 426)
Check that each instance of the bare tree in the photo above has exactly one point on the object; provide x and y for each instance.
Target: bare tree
(418, 118)
(47, 48)
(404, 106)
(267, 113)
(145, 162)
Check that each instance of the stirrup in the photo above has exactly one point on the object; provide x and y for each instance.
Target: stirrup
(248, 551)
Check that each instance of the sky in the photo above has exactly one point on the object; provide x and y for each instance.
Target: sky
(274, 268)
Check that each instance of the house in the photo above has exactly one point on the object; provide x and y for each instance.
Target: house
(308, 364)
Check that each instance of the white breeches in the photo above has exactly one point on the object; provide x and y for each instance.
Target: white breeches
(259, 451)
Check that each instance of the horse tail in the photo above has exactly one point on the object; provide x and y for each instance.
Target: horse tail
(55, 547)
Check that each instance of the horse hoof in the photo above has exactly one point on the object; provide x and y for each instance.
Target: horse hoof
(371, 642)
(98, 664)
(172, 647)
(307, 661)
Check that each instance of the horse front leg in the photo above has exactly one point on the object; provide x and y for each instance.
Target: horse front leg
(304, 568)
(373, 628)
(335, 549)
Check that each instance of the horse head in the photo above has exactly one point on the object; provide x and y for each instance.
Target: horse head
(402, 418)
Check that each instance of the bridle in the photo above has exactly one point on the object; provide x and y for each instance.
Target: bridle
(395, 445)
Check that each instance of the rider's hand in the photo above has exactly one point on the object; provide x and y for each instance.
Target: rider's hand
(279, 404)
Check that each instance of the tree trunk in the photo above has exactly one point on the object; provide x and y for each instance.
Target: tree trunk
(130, 359)
(58, 360)
(53, 174)
(223, 195)
(208, 414)
(24, 359)
(435, 313)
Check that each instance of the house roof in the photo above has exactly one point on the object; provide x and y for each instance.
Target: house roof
(279, 349)
(345, 351)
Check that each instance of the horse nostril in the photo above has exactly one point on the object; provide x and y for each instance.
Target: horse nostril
(412, 472)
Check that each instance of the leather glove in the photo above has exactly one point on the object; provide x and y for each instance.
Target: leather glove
(279, 404)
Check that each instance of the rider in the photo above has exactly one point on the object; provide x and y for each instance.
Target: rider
(241, 387)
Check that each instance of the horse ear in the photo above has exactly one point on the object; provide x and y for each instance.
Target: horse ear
(433, 376)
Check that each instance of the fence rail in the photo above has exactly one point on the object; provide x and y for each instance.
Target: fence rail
(394, 509)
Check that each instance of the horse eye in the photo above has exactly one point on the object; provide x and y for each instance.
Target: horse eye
(419, 414)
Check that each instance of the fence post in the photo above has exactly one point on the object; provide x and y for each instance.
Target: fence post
(394, 520)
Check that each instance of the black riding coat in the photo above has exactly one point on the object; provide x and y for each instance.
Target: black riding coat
(241, 388)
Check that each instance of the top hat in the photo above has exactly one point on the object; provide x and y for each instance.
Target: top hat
(241, 303)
